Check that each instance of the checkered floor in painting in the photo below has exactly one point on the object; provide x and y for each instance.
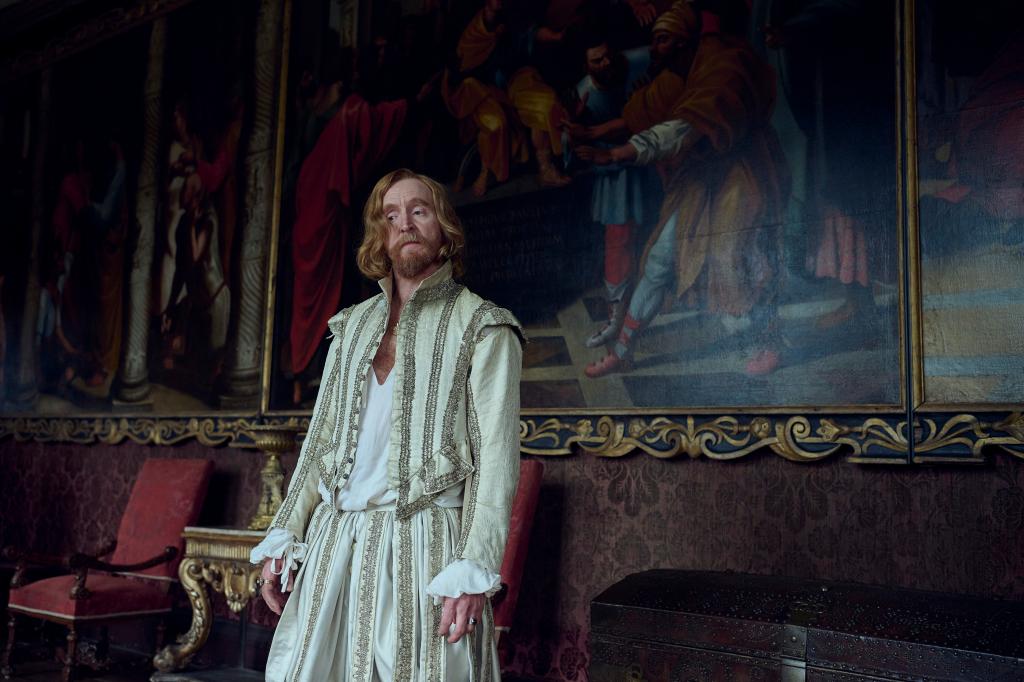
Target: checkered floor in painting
(686, 355)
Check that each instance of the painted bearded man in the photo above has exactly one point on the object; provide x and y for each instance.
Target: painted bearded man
(394, 527)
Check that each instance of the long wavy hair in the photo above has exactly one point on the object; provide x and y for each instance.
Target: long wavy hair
(373, 258)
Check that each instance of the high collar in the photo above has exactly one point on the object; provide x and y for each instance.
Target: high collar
(436, 278)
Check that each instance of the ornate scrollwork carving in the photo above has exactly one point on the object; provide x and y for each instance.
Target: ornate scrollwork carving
(236, 582)
(177, 655)
(210, 431)
(964, 437)
(798, 438)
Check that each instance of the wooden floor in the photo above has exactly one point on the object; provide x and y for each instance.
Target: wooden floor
(51, 672)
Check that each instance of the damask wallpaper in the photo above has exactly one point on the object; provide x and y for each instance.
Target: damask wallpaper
(949, 529)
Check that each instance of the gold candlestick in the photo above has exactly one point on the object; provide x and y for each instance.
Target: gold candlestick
(275, 440)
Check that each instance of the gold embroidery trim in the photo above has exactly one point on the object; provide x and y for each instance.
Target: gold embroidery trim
(343, 467)
(367, 607)
(470, 496)
(318, 594)
(435, 670)
(433, 383)
(404, 603)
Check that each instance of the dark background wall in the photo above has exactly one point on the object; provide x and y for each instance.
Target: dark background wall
(948, 529)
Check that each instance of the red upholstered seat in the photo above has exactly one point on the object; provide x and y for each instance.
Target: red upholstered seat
(112, 597)
(523, 507)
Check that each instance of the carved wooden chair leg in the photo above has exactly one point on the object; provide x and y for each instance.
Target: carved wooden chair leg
(161, 634)
(6, 670)
(71, 655)
(103, 649)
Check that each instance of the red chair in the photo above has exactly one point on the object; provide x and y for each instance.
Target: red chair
(523, 507)
(167, 496)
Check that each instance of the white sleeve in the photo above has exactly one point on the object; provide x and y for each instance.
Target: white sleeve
(464, 576)
(280, 544)
(661, 141)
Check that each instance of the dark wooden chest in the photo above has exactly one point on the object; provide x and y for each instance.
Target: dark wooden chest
(690, 625)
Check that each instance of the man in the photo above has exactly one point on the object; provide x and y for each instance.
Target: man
(667, 62)
(673, 44)
(405, 481)
(723, 197)
(622, 196)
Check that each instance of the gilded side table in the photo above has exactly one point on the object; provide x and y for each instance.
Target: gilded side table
(216, 558)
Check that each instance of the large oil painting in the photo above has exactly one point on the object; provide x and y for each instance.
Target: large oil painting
(688, 205)
(970, 114)
(124, 168)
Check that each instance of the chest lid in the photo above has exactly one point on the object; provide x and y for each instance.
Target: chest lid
(835, 626)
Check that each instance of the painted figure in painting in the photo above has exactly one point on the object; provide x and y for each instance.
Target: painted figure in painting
(832, 81)
(707, 121)
(494, 89)
(198, 288)
(79, 323)
(347, 151)
(386, 549)
(623, 195)
(985, 161)
(971, 161)
(182, 140)
(193, 284)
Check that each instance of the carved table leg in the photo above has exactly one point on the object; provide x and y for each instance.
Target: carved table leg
(175, 656)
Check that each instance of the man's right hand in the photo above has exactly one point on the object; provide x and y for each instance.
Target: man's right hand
(271, 590)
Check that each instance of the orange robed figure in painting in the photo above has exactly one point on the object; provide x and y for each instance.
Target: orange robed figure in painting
(483, 108)
(725, 182)
(502, 117)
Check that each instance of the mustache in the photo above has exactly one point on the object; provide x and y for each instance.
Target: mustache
(409, 238)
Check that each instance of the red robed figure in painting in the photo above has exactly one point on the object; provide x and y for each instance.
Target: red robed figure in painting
(345, 157)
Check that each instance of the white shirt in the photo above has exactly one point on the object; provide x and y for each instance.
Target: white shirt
(368, 483)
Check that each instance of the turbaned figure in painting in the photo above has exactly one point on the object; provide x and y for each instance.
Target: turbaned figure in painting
(387, 547)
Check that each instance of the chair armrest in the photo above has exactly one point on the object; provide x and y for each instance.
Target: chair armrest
(81, 564)
(24, 558)
(78, 562)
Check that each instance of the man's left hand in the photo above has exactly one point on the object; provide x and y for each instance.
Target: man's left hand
(458, 611)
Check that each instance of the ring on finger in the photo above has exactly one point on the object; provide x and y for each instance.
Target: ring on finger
(472, 621)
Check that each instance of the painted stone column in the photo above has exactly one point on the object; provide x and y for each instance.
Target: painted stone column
(24, 393)
(132, 385)
(241, 383)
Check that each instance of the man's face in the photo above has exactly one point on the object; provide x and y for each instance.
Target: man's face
(599, 62)
(414, 233)
(663, 46)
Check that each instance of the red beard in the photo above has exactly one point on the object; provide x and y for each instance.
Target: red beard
(411, 264)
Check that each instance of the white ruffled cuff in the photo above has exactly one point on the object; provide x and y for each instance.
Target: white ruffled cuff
(280, 544)
(464, 576)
